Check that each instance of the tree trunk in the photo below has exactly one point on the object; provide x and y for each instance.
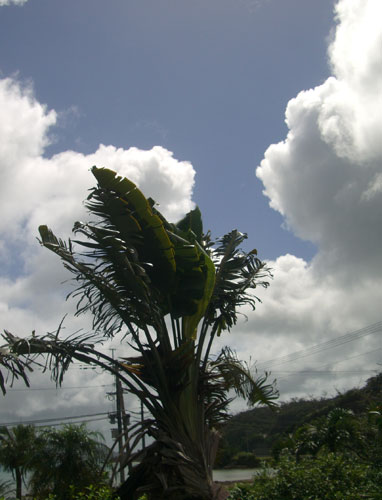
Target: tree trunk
(19, 481)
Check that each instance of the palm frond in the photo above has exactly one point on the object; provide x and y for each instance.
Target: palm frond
(122, 205)
(237, 274)
(60, 354)
(236, 375)
(103, 288)
(15, 368)
(195, 271)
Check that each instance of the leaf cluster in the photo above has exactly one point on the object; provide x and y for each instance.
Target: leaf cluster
(53, 461)
(328, 477)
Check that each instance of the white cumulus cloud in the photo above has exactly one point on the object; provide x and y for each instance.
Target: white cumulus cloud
(325, 178)
(12, 2)
(36, 189)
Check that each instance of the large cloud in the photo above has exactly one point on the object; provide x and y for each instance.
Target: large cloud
(325, 178)
(12, 2)
(35, 190)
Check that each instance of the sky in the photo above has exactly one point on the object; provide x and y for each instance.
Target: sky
(266, 114)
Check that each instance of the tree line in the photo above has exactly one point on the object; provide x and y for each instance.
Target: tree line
(337, 456)
(53, 462)
(258, 431)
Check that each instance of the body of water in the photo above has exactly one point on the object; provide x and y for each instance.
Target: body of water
(5, 476)
(234, 474)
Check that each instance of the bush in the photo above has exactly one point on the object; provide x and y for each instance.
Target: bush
(246, 459)
(242, 492)
(327, 477)
(93, 492)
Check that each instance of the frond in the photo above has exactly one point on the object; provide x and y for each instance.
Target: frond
(238, 273)
(15, 368)
(122, 205)
(175, 364)
(113, 285)
(60, 354)
(195, 272)
(236, 375)
(135, 267)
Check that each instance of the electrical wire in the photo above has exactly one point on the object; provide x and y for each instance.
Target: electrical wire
(58, 388)
(324, 371)
(74, 422)
(330, 344)
(44, 420)
(333, 364)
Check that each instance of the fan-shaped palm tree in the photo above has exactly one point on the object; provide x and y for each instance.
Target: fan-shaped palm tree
(6, 489)
(172, 291)
(63, 458)
(16, 452)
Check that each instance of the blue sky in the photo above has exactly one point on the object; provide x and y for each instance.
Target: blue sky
(206, 80)
(267, 114)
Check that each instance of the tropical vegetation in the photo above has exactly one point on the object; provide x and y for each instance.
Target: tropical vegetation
(329, 476)
(67, 460)
(264, 432)
(53, 462)
(170, 290)
(337, 456)
(15, 452)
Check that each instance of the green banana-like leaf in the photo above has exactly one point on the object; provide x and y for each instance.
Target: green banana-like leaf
(237, 274)
(127, 269)
(195, 271)
(180, 267)
(191, 227)
(176, 263)
(131, 213)
(190, 323)
(237, 375)
(192, 222)
(115, 291)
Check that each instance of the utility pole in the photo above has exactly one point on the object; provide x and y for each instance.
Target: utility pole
(122, 423)
(143, 435)
(119, 422)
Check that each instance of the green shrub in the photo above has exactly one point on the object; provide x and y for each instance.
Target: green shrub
(241, 492)
(327, 477)
(93, 492)
(246, 459)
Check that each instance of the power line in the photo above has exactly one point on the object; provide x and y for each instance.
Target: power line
(74, 422)
(58, 388)
(325, 371)
(355, 356)
(330, 344)
(43, 420)
(335, 363)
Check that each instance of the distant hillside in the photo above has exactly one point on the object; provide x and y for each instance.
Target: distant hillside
(258, 429)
